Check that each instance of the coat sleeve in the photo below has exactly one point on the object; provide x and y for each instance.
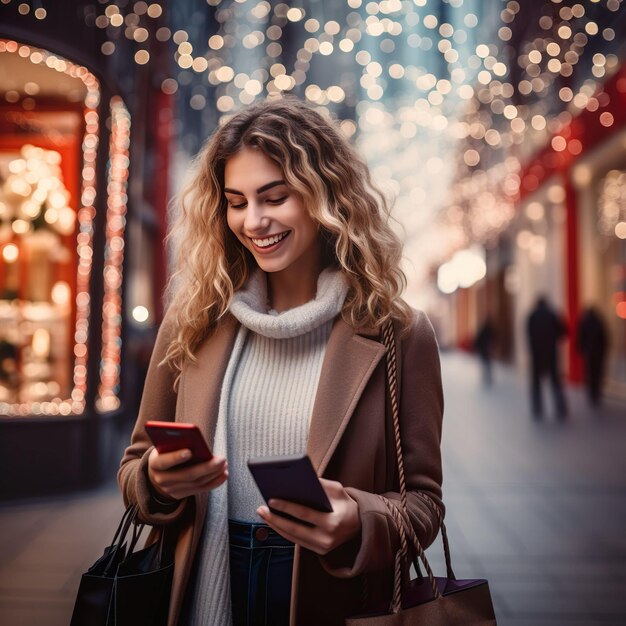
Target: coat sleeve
(421, 413)
(158, 402)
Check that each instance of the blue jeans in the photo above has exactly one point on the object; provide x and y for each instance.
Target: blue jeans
(261, 562)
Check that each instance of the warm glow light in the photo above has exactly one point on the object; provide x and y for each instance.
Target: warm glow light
(447, 281)
(582, 175)
(535, 211)
(141, 314)
(216, 42)
(142, 57)
(61, 293)
(295, 15)
(606, 119)
(556, 194)
(20, 227)
(10, 253)
(41, 343)
(464, 269)
(524, 239)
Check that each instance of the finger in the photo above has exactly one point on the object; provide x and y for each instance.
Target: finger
(284, 525)
(167, 460)
(184, 490)
(300, 534)
(196, 472)
(191, 482)
(214, 483)
(195, 489)
(297, 510)
(332, 487)
(202, 472)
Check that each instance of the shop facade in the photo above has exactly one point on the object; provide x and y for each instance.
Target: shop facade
(64, 162)
(83, 208)
(566, 242)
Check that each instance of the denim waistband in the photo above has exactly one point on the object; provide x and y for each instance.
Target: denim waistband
(255, 535)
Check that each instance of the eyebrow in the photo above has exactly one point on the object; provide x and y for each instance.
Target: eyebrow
(274, 183)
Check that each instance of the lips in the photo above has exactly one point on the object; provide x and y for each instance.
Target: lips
(268, 244)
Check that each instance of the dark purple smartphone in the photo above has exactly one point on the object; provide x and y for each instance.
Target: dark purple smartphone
(170, 436)
(291, 478)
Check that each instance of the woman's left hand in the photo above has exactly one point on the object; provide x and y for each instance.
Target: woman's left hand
(329, 530)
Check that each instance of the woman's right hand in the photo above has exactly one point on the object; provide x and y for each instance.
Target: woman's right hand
(179, 483)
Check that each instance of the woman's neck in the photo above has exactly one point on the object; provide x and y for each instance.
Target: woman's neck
(287, 290)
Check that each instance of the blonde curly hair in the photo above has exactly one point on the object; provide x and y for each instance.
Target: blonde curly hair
(337, 191)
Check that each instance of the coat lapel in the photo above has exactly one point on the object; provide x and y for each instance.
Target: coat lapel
(202, 382)
(348, 364)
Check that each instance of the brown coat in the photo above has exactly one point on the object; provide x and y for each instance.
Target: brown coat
(350, 440)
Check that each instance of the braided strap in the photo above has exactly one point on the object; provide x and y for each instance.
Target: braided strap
(400, 512)
(401, 561)
(444, 533)
(392, 378)
(401, 557)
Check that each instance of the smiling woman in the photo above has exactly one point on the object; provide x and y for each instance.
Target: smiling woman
(286, 272)
(272, 222)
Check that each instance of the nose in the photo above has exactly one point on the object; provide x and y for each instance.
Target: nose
(255, 219)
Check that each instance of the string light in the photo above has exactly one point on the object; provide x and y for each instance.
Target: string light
(110, 360)
(423, 84)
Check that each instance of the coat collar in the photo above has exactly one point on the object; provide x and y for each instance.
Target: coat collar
(351, 357)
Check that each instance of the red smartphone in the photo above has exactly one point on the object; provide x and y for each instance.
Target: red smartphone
(170, 436)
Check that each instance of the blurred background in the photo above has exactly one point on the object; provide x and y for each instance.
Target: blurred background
(497, 129)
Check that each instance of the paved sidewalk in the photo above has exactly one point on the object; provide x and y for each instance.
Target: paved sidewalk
(539, 508)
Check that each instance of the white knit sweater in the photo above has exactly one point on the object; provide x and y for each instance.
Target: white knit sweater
(265, 408)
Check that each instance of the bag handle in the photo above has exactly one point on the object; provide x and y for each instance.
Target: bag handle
(128, 519)
(117, 544)
(399, 512)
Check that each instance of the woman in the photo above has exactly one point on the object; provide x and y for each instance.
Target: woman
(286, 271)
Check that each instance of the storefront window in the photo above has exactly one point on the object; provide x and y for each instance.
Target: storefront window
(49, 136)
(36, 222)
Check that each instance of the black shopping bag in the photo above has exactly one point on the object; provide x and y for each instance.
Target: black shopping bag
(126, 587)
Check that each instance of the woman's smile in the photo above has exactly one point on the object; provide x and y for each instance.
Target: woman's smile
(270, 243)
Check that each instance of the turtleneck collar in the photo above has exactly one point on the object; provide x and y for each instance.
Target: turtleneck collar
(250, 306)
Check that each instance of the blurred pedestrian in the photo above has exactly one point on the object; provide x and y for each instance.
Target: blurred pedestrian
(545, 329)
(592, 342)
(483, 345)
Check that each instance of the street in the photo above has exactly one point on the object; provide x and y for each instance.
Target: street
(538, 508)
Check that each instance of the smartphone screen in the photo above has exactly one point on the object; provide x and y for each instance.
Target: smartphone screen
(170, 436)
(291, 478)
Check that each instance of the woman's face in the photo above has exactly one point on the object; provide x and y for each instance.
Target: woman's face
(268, 217)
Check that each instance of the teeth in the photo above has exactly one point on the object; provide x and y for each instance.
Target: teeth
(264, 243)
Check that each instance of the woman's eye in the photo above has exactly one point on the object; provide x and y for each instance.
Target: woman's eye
(236, 206)
(277, 200)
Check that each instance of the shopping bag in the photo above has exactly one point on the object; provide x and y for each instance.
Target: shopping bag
(462, 602)
(126, 587)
